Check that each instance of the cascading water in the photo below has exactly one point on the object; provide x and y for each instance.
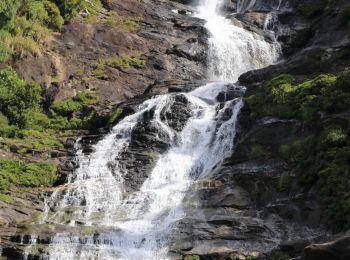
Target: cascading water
(92, 217)
(232, 49)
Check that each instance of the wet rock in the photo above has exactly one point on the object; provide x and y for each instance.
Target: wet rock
(178, 113)
(232, 92)
(147, 141)
(338, 249)
(190, 50)
(58, 154)
(70, 143)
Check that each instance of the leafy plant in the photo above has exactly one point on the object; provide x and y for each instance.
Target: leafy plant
(26, 174)
(18, 97)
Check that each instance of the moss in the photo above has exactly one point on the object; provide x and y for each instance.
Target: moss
(129, 25)
(281, 97)
(284, 183)
(124, 61)
(321, 161)
(258, 151)
(192, 257)
(126, 24)
(26, 174)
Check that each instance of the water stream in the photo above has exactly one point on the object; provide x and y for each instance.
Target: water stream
(92, 217)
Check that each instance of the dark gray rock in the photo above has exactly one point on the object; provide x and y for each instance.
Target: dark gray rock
(338, 249)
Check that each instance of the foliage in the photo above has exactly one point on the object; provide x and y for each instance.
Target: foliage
(68, 107)
(280, 97)
(24, 24)
(5, 128)
(8, 11)
(258, 151)
(18, 97)
(26, 174)
(323, 161)
(6, 198)
(114, 116)
(5, 52)
(320, 159)
(55, 20)
(192, 257)
(69, 8)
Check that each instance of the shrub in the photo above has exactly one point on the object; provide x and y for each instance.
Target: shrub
(280, 97)
(5, 52)
(55, 20)
(69, 8)
(8, 10)
(335, 137)
(26, 174)
(322, 162)
(6, 130)
(24, 46)
(17, 97)
(6, 198)
(68, 107)
(35, 11)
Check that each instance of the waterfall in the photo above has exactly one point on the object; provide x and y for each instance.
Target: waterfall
(234, 50)
(92, 217)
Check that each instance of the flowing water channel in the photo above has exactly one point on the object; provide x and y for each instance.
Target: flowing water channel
(92, 217)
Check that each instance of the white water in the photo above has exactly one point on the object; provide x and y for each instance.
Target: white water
(93, 218)
(234, 50)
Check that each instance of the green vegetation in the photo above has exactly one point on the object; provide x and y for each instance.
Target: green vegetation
(21, 108)
(25, 24)
(323, 161)
(124, 61)
(6, 198)
(25, 125)
(26, 174)
(68, 107)
(18, 98)
(280, 97)
(112, 118)
(258, 151)
(284, 183)
(320, 159)
(192, 257)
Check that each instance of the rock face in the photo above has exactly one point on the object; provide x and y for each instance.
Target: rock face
(170, 41)
(338, 249)
(149, 140)
(312, 38)
(253, 204)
